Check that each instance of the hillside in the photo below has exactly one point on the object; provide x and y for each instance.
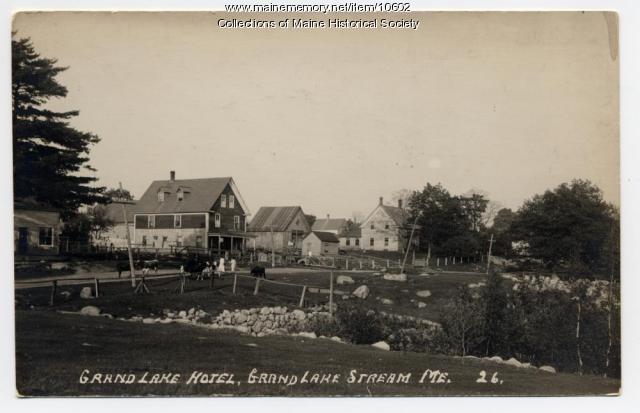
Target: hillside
(68, 344)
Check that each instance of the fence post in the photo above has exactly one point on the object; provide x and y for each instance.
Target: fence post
(54, 287)
(361, 264)
(373, 264)
(304, 290)
(445, 261)
(235, 281)
(255, 290)
(347, 263)
(211, 278)
(97, 286)
(333, 261)
(331, 294)
(437, 262)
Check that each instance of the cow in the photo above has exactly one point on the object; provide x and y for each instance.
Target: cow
(194, 266)
(259, 272)
(145, 266)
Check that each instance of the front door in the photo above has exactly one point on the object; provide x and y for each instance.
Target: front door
(23, 240)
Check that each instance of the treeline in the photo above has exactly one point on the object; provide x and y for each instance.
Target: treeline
(568, 229)
(568, 331)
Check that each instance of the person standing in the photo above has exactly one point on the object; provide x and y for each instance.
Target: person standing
(233, 265)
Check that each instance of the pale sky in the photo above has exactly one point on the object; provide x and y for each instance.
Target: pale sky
(511, 103)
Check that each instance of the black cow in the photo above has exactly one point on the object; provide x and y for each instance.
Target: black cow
(193, 266)
(123, 266)
(259, 272)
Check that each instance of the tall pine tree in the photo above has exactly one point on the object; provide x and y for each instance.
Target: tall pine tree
(48, 154)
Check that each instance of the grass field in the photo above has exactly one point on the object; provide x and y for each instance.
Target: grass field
(119, 299)
(54, 349)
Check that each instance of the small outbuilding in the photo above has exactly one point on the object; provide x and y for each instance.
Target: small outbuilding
(320, 243)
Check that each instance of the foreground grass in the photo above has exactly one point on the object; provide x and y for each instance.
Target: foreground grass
(53, 349)
(118, 298)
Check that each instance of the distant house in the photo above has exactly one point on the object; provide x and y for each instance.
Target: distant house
(280, 228)
(334, 225)
(36, 230)
(351, 238)
(384, 228)
(116, 235)
(320, 243)
(205, 213)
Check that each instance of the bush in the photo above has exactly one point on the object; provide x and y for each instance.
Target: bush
(325, 326)
(360, 325)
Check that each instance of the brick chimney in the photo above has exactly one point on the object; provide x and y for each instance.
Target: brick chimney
(400, 203)
(172, 175)
(380, 203)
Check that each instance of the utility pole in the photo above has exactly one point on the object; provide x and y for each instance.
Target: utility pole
(273, 249)
(123, 202)
(489, 254)
(406, 253)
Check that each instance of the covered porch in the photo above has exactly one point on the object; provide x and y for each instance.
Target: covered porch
(227, 242)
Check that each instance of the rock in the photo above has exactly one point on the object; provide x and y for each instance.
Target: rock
(496, 359)
(386, 301)
(424, 293)
(257, 327)
(381, 345)
(86, 293)
(361, 292)
(241, 318)
(90, 310)
(265, 311)
(335, 338)
(421, 304)
(166, 311)
(299, 314)
(308, 334)
(148, 320)
(344, 280)
(548, 369)
(395, 277)
(243, 329)
(182, 314)
(513, 362)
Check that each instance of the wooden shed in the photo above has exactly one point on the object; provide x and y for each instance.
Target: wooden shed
(320, 243)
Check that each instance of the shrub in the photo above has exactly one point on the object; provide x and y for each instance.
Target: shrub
(360, 325)
(325, 326)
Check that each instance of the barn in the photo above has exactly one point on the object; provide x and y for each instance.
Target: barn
(280, 228)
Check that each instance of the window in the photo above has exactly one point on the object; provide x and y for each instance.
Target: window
(144, 240)
(177, 221)
(223, 201)
(164, 242)
(386, 242)
(236, 222)
(371, 241)
(161, 196)
(45, 237)
(232, 201)
(347, 242)
(199, 241)
(180, 194)
(386, 226)
(179, 241)
(372, 227)
(152, 221)
(357, 242)
(216, 220)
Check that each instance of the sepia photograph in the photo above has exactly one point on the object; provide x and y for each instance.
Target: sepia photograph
(316, 200)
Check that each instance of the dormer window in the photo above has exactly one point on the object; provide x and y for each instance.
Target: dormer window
(232, 201)
(223, 201)
(180, 194)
